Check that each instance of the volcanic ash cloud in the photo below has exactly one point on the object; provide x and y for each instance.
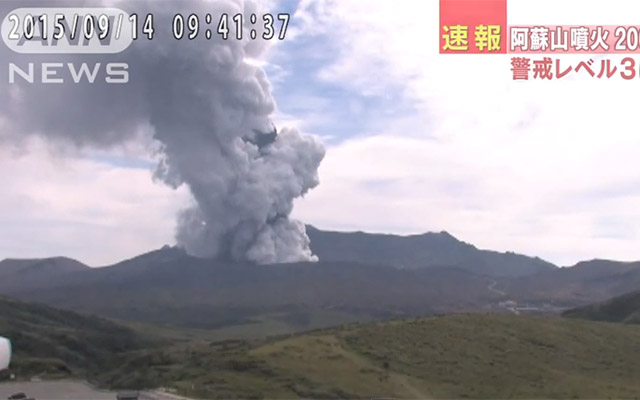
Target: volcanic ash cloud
(211, 112)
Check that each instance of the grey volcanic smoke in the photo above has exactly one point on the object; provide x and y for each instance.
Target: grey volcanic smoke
(210, 110)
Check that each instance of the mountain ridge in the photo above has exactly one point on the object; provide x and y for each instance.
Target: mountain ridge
(359, 277)
(420, 251)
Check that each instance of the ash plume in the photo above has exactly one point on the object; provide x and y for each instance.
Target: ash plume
(210, 110)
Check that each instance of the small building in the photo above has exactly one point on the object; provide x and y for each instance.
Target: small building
(128, 396)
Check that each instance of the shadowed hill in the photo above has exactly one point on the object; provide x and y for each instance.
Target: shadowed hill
(14, 271)
(625, 308)
(55, 342)
(586, 282)
(420, 251)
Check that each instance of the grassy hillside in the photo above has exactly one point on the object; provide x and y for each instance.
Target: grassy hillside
(457, 356)
(55, 343)
(625, 308)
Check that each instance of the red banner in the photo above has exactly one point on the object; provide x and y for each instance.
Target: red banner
(473, 26)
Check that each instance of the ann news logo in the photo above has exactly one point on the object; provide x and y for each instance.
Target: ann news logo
(67, 30)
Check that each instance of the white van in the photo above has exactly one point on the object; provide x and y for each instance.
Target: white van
(5, 353)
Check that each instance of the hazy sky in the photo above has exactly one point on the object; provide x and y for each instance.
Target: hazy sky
(416, 142)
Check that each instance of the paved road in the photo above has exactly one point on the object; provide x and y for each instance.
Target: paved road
(55, 390)
(71, 390)
(492, 288)
(160, 395)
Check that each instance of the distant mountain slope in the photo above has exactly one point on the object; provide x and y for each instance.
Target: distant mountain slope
(584, 283)
(171, 287)
(14, 271)
(429, 274)
(420, 251)
(625, 308)
(55, 342)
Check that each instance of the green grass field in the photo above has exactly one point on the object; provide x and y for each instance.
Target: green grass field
(456, 356)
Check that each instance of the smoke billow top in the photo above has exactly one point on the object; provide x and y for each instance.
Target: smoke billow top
(210, 111)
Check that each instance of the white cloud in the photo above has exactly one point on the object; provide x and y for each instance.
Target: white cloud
(78, 207)
(545, 168)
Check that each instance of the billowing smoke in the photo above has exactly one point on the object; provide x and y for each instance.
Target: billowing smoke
(211, 112)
